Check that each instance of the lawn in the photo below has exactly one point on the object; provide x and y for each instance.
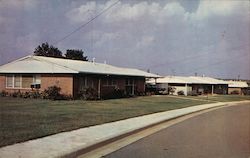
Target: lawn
(25, 119)
(222, 98)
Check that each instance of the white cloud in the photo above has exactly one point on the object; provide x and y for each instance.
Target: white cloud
(101, 38)
(169, 23)
(221, 8)
(146, 41)
(82, 13)
(27, 43)
(138, 33)
(15, 4)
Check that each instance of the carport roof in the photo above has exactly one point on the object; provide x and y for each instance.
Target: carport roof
(189, 80)
(237, 84)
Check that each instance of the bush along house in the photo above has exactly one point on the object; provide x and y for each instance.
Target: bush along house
(79, 79)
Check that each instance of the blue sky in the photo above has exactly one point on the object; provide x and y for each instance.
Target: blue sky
(168, 37)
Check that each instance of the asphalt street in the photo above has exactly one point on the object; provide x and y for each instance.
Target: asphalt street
(222, 133)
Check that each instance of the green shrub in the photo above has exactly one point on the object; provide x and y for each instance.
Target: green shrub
(4, 93)
(235, 92)
(116, 93)
(171, 90)
(17, 94)
(88, 94)
(193, 93)
(180, 92)
(52, 93)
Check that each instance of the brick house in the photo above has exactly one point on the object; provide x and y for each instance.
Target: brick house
(72, 76)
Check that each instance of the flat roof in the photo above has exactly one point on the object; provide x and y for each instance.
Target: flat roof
(188, 80)
(237, 84)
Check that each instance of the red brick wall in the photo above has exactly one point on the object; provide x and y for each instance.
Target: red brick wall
(70, 84)
(2, 82)
(64, 81)
(121, 83)
(140, 84)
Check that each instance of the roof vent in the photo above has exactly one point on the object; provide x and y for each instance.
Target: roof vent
(93, 60)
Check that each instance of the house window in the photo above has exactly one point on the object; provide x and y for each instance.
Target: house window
(9, 82)
(27, 80)
(22, 81)
(37, 79)
(110, 82)
(17, 81)
(129, 82)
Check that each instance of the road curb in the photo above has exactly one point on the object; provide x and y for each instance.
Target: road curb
(77, 142)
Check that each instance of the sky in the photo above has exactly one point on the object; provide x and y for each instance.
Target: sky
(173, 37)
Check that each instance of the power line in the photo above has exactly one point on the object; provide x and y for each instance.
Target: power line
(189, 58)
(217, 63)
(212, 64)
(85, 24)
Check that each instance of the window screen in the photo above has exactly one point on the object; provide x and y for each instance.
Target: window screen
(37, 79)
(17, 81)
(27, 80)
(9, 81)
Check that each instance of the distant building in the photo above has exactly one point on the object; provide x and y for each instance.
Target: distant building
(192, 85)
(237, 87)
(72, 76)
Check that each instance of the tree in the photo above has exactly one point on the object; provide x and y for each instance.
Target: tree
(48, 50)
(75, 55)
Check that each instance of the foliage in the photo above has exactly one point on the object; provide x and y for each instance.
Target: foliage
(235, 92)
(32, 94)
(180, 92)
(115, 94)
(88, 94)
(171, 90)
(4, 93)
(192, 93)
(48, 50)
(246, 91)
(16, 94)
(75, 55)
(52, 93)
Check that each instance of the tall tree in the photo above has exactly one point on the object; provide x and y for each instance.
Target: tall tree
(48, 50)
(75, 55)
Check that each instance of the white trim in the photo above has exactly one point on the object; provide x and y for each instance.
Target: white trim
(6, 79)
(111, 81)
(21, 80)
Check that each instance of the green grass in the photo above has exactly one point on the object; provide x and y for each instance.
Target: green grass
(222, 98)
(25, 119)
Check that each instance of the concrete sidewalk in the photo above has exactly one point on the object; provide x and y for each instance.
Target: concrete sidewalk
(68, 143)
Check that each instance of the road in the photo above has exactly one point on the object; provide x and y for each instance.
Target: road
(224, 132)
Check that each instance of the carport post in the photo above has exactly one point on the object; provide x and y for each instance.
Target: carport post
(133, 87)
(186, 89)
(212, 89)
(99, 88)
